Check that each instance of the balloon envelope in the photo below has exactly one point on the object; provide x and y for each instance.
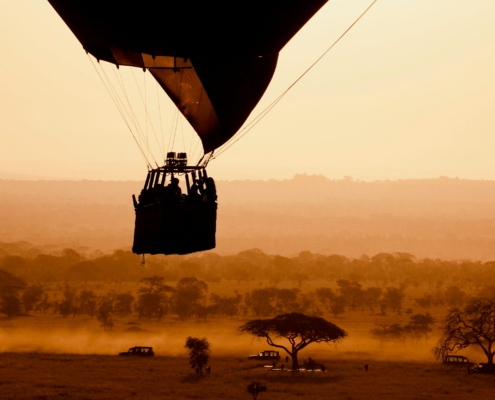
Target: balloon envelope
(213, 58)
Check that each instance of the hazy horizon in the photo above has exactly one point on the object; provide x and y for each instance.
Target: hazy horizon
(41, 178)
(407, 93)
(444, 217)
(365, 197)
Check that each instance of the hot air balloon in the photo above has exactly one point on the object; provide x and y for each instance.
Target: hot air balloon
(214, 59)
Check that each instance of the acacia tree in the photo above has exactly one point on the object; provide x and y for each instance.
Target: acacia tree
(454, 296)
(299, 329)
(260, 300)
(472, 326)
(10, 286)
(419, 325)
(104, 312)
(68, 304)
(393, 298)
(123, 303)
(151, 297)
(199, 353)
(189, 292)
(384, 332)
(88, 302)
(31, 295)
(351, 292)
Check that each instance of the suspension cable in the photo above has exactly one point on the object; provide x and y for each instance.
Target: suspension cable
(121, 113)
(172, 129)
(130, 109)
(147, 116)
(201, 159)
(177, 119)
(190, 146)
(160, 114)
(262, 114)
(117, 96)
(195, 148)
(182, 134)
(210, 156)
(176, 124)
(145, 108)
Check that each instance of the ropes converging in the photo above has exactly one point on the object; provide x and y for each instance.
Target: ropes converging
(239, 135)
(215, 72)
(120, 94)
(205, 113)
(119, 108)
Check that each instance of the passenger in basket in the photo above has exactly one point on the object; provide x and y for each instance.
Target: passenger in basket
(210, 194)
(145, 197)
(194, 195)
(174, 189)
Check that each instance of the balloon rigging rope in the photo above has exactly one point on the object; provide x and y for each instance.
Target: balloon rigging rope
(182, 133)
(160, 114)
(169, 146)
(145, 109)
(172, 128)
(190, 146)
(177, 114)
(135, 118)
(193, 154)
(117, 105)
(129, 109)
(262, 114)
(147, 117)
(121, 107)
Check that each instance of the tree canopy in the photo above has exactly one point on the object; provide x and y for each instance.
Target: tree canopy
(472, 326)
(199, 352)
(299, 329)
(10, 286)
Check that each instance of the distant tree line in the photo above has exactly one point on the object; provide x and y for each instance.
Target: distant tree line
(383, 269)
(69, 285)
(418, 327)
(178, 285)
(189, 298)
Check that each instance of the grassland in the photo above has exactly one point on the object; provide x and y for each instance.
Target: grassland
(54, 376)
(50, 333)
(45, 356)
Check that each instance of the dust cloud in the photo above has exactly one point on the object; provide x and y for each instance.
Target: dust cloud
(111, 343)
(230, 343)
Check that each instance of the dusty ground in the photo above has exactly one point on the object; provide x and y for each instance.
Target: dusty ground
(45, 356)
(54, 376)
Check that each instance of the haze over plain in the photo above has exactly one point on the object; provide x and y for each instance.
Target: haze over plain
(435, 218)
(408, 93)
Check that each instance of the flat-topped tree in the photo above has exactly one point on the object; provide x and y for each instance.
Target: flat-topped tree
(299, 329)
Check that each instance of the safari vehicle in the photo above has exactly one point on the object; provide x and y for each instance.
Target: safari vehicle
(481, 368)
(265, 355)
(456, 360)
(138, 351)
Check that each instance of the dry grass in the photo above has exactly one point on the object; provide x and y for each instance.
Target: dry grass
(45, 356)
(49, 376)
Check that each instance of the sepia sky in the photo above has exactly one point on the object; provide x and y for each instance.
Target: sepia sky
(409, 92)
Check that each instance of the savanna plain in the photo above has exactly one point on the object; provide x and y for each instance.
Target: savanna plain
(47, 355)
(50, 376)
(386, 272)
